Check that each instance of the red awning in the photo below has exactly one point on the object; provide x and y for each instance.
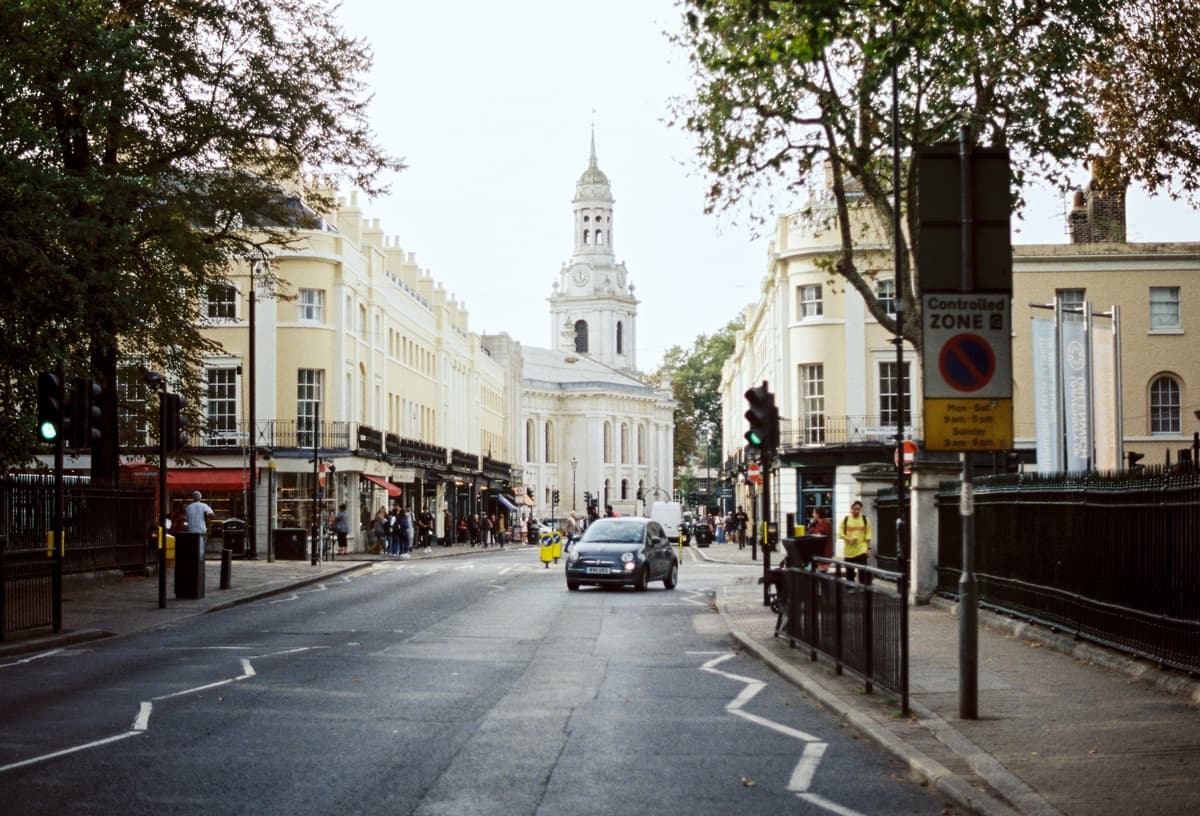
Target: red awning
(391, 489)
(206, 479)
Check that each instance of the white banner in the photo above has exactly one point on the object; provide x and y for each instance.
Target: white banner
(1047, 421)
(1106, 397)
(1077, 392)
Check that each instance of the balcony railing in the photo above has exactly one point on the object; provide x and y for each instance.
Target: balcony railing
(868, 429)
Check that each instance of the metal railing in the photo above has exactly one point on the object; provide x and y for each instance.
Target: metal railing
(1111, 559)
(861, 627)
(865, 429)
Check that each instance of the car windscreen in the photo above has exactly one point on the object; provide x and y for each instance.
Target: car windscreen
(622, 531)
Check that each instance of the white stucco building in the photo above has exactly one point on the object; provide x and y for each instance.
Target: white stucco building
(590, 422)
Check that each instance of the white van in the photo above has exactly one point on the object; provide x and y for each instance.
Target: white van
(670, 516)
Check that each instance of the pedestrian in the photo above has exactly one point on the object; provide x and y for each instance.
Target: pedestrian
(609, 512)
(394, 548)
(720, 524)
(820, 525)
(592, 515)
(425, 527)
(341, 528)
(196, 516)
(489, 527)
(464, 530)
(447, 527)
(743, 522)
(379, 529)
(855, 532)
(408, 534)
(473, 528)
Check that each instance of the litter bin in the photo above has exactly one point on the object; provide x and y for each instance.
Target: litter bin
(234, 532)
(801, 549)
(702, 534)
(189, 566)
(291, 543)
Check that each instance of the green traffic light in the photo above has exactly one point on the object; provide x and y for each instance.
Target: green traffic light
(49, 431)
(754, 438)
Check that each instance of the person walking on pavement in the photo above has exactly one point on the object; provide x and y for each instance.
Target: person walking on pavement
(341, 528)
(425, 526)
(405, 524)
(447, 527)
(819, 525)
(473, 528)
(855, 532)
(196, 516)
(379, 529)
(742, 520)
(393, 530)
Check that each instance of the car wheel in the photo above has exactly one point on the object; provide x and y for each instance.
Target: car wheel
(643, 578)
(672, 576)
(573, 585)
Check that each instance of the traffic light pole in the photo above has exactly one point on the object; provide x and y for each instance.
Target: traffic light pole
(765, 497)
(164, 510)
(57, 569)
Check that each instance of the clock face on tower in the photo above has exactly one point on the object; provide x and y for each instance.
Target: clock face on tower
(579, 275)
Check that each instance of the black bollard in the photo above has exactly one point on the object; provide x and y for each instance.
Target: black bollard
(226, 567)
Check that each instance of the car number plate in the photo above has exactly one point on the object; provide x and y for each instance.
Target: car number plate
(596, 570)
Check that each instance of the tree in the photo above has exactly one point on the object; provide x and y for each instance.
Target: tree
(696, 385)
(787, 91)
(145, 147)
(1148, 98)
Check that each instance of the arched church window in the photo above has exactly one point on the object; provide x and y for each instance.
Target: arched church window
(586, 218)
(587, 237)
(624, 489)
(620, 337)
(599, 237)
(581, 336)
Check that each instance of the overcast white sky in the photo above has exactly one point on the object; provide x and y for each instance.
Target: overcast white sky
(490, 105)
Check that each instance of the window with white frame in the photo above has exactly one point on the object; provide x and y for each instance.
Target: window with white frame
(891, 400)
(312, 305)
(1070, 299)
(808, 302)
(220, 302)
(812, 403)
(309, 385)
(220, 405)
(885, 293)
(1164, 308)
(1165, 407)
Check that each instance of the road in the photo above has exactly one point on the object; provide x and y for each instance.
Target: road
(460, 686)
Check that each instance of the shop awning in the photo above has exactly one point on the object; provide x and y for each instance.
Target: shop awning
(505, 501)
(207, 479)
(391, 489)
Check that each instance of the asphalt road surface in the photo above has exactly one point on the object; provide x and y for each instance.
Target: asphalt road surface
(455, 686)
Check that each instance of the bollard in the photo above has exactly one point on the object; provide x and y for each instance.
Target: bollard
(226, 567)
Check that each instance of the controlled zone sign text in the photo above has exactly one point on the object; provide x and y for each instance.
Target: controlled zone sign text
(967, 368)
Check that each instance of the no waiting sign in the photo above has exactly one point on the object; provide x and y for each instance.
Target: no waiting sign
(967, 345)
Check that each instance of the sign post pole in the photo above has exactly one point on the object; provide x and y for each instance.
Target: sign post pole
(968, 626)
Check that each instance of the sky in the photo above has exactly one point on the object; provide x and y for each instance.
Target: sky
(491, 107)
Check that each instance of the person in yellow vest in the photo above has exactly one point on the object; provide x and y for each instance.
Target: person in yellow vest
(855, 533)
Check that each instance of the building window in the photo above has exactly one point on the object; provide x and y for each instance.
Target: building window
(309, 383)
(1070, 299)
(885, 293)
(1165, 406)
(581, 336)
(1164, 308)
(607, 442)
(891, 400)
(135, 407)
(220, 302)
(812, 403)
(620, 337)
(624, 489)
(220, 406)
(809, 304)
(312, 305)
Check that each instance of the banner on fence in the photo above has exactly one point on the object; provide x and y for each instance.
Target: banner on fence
(1048, 416)
(1077, 391)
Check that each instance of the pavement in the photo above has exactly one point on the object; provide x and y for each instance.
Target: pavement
(1063, 727)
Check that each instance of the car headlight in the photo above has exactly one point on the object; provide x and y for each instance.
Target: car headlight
(627, 557)
(572, 557)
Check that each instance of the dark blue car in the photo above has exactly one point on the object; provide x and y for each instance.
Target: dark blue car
(622, 551)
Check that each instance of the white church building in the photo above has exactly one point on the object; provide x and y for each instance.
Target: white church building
(591, 424)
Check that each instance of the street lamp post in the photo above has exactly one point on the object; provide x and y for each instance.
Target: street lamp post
(574, 463)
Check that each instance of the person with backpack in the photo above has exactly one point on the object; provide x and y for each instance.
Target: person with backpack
(855, 533)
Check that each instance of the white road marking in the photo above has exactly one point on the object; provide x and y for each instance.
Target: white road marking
(30, 659)
(292, 597)
(142, 721)
(814, 748)
(67, 751)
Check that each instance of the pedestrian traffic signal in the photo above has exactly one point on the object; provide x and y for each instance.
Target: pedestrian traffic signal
(87, 415)
(174, 423)
(763, 417)
(50, 398)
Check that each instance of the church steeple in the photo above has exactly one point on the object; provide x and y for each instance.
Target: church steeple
(593, 310)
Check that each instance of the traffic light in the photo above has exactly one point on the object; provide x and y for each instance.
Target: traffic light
(50, 414)
(1134, 458)
(174, 422)
(763, 417)
(556, 495)
(1012, 462)
(87, 416)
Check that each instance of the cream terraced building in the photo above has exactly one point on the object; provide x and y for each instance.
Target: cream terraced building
(833, 367)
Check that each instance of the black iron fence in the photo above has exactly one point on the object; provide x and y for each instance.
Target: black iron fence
(861, 627)
(1114, 559)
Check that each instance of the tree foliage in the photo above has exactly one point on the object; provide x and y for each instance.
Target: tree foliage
(145, 147)
(695, 376)
(785, 91)
(1148, 98)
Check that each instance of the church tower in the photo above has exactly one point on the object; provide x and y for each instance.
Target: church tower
(592, 309)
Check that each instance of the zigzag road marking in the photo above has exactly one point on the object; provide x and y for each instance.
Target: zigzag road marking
(141, 722)
(814, 747)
